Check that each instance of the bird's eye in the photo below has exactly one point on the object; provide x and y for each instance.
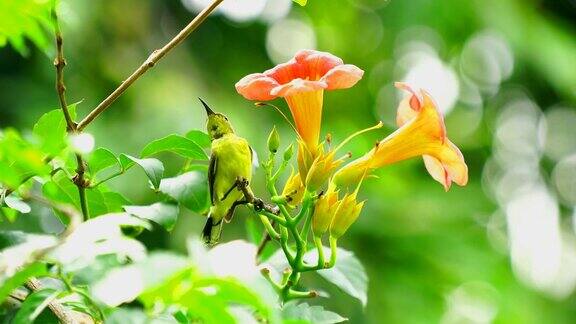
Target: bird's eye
(226, 118)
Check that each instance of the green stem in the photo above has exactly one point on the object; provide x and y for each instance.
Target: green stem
(333, 251)
(270, 215)
(269, 228)
(320, 249)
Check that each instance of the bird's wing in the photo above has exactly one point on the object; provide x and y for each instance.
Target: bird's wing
(253, 158)
(212, 176)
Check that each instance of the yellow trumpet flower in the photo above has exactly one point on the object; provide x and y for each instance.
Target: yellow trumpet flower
(422, 133)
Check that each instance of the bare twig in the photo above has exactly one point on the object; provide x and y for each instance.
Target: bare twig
(60, 311)
(259, 204)
(60, 63)
(156, 56)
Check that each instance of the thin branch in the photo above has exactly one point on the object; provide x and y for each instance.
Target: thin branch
(60, 63)
(156, 56)
(259, 204)
(60, 311)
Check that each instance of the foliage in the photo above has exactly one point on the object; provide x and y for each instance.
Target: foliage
(145, 185)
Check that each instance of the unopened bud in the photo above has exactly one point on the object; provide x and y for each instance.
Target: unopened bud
(293, 189)
(288, 152)
(273, 141)
(321, 170)
(324, 212)
(346, 214)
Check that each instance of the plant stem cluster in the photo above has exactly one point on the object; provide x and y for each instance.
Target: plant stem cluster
(292, 233)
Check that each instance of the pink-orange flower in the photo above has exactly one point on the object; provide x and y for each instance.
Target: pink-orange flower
(422, 132)
(301, 82)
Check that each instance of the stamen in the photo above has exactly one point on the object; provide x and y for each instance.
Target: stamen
(379, 125)
(261, 104)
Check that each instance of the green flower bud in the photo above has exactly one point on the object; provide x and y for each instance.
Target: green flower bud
(273, 141)
(288, 153)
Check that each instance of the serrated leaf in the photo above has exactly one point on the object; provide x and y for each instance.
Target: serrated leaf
(160, 213)
(348, 274)
(34, 304)
(102, 159)
(177, 144)
(311, 314)
(199, 137)
(153, 168)
(189, 189)
(51, 130)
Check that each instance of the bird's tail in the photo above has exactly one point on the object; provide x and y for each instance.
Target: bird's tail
(212, 230)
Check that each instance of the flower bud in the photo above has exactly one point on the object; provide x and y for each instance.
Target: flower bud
(324, 211)
(305, 159)
(346, 214)
(288, 152)
(273, 141)
(293, 189)
(321, 170)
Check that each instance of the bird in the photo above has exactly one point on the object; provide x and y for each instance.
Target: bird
(230, 162)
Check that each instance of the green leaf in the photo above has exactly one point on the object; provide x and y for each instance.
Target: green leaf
(25, 19)
(233, 292)
(114, 201)
(206, 307)
(62, 189)
(199, 137)
(311, 314)
(189, 189)
(34, 304)
(102, 159)
(153, 168)
(348, 274)
(51, 130)
(160, 213)
(145, 275)
(8, 175)
(18, 279)
(177, 144)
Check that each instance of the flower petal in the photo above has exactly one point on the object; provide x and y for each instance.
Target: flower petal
(256, 86)
(342, 76)
(409, 106)
(297, 86)
(286, 72)
(316, 64)
(447, 166)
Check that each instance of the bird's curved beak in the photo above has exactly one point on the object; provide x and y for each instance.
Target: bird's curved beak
(209, 111)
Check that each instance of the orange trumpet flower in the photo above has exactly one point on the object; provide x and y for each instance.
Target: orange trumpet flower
(422, 132)
(301, 82)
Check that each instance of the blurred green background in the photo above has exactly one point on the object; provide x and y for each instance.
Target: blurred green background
(502, 249)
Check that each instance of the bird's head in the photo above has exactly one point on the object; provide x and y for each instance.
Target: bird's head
(217, 124)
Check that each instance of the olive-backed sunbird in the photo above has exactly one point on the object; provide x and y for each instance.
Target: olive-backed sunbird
(230, 161)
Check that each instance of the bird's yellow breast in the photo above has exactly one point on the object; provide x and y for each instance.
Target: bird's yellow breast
(234, 160)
